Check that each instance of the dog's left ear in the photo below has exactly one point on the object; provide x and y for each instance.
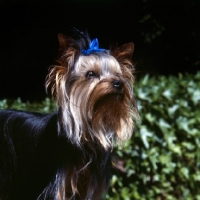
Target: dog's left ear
(124, 52)
(123, 55)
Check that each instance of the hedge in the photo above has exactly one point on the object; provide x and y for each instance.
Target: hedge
(162, 160)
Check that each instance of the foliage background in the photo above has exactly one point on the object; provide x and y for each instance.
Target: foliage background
(162, 160)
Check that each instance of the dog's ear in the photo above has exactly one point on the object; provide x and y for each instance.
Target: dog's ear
(58, 75)
(68, 49)
(124, 52)
(63, 42)
(123, 55)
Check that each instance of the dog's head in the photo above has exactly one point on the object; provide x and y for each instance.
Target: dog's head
(94, 91)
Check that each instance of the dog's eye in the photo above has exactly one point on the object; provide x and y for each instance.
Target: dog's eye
(91, 74)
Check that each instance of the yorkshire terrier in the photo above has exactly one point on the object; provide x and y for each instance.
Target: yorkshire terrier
(67, 154)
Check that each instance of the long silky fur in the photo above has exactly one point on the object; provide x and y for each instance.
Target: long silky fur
(66, 154)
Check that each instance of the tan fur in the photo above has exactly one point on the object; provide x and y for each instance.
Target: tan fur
(93, 111)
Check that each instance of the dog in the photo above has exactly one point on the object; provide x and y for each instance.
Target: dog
(67, 154)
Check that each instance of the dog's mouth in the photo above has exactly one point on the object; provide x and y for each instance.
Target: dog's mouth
(109, 111)
(109, 100)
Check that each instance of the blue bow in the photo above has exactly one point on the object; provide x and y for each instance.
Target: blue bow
(94, 47)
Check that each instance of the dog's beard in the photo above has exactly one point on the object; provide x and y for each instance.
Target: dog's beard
(96, 112)
(111, 113)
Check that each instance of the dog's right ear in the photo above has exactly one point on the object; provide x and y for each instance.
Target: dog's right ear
(58, 74)
(68, 50)
(64, 42)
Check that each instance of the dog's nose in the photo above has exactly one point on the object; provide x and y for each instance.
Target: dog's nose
(118, 84)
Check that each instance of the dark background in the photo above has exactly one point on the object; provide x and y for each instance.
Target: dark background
(166, 34)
